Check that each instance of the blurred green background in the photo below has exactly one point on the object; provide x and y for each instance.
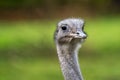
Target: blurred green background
(27, 48)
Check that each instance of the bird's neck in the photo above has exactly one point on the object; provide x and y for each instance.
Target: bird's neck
(68, 58)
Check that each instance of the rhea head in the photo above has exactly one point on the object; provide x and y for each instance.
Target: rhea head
(70, 31)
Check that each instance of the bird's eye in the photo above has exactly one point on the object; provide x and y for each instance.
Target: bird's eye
(64, 27)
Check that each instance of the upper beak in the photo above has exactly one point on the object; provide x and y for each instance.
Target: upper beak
(79, 34)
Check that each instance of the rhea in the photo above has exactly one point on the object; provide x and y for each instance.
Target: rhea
(69, 36)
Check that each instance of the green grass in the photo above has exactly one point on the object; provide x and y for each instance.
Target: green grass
(101, 68)
(21, 44)
(102, 33)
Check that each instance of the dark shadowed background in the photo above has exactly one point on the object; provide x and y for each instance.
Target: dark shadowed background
(27, 48)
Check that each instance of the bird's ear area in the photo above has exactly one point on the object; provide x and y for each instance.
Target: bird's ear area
(83, 26)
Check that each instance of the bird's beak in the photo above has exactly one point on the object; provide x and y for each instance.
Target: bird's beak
(79, 34)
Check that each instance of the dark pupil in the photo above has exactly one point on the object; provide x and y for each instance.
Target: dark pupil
(64, 27)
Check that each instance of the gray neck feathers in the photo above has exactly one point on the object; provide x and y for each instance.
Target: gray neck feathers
(68, 58)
